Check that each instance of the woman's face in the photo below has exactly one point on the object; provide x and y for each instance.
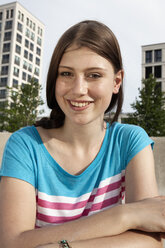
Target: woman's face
(85, 84)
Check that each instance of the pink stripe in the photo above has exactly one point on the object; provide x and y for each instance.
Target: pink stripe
(81, 204)
(60, 205)
(55, 219)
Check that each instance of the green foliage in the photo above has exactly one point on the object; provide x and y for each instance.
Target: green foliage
(22, 109)
(149, 108)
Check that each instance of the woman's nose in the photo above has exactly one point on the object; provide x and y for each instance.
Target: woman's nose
(79, 86)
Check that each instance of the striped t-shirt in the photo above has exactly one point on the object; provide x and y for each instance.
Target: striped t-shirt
(62, 197)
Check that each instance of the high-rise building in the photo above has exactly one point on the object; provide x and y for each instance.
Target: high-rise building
(21, 47)
(153, 62)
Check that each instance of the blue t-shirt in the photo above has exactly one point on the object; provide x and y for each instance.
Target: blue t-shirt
(62, 197)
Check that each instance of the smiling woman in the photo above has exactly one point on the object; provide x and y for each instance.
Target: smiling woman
(85, 84)
(72, 180)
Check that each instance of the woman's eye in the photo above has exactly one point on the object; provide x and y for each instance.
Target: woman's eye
(66, 74)
(94, 75)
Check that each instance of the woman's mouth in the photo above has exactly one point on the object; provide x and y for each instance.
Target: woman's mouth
(79, 105)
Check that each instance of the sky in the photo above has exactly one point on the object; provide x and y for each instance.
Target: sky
(134, 22)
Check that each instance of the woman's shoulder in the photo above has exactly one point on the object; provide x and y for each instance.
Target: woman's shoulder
(126, 129)
(24, 135)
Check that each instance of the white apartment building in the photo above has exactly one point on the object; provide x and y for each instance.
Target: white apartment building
(21, 47)
(153, 62)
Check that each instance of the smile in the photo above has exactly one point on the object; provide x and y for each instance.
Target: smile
(79, 104)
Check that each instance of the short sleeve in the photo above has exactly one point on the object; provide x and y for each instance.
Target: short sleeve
(17, 161)
(135, 139)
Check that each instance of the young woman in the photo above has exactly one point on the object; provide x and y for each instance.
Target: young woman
(65, 180)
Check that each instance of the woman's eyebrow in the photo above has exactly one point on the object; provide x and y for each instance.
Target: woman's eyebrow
(87, 69)
(67, 67)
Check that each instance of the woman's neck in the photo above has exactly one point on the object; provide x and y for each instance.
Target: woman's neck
(84, 135)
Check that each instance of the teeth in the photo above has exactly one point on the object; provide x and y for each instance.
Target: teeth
(79, 104)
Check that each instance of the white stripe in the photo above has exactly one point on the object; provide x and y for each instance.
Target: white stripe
(59, 212)
(111, 180)
(63, 199)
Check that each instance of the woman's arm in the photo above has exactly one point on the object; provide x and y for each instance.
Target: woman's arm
(18, 210)
(129, 239)
(18, 214)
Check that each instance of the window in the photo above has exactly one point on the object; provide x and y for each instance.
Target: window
(35, 79)
(158, 55)
(3, 82)
(148, 56)
(27, 21)
(32, 36)
(24, 75)
(148, 71)
(19, 15)
(37, 61)
(34, 26)
(7, 14)
(19, 38)
(6, 47)
(15, 83)
(1, 15)
(38, 51)
(5, 59)
(2, 94)
(30, 57)
(36, 71)
(4, 70)
(0, 26)
(8, 25)
(16, 72)
(7, 36)
(30, 24)
(17, 60)
(29, 78)
(26, 54)
(27, 32)
(39, 31)
(22, 17)
(26, 43)
(158, 87)
(3, 104)
(18, 49)
(19, 27)
(25, 65)
(39, 41)
(158, 71)
(11, 13)
(31, 46)
(30, 68)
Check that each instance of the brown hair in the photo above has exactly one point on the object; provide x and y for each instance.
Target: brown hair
(97, 37)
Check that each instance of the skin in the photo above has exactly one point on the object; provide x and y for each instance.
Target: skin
(82, 136)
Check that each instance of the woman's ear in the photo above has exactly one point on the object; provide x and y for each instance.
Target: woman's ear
(118, 81)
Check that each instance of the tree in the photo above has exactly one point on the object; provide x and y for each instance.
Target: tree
(22, 108)
(150, 108)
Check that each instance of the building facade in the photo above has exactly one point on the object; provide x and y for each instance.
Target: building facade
(21, 47)
(153, 62)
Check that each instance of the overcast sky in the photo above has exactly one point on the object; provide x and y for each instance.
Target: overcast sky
(134, 22)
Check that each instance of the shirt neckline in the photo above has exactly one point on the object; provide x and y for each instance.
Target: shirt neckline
(91, 166)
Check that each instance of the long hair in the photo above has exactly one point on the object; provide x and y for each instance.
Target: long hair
(97, 37)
